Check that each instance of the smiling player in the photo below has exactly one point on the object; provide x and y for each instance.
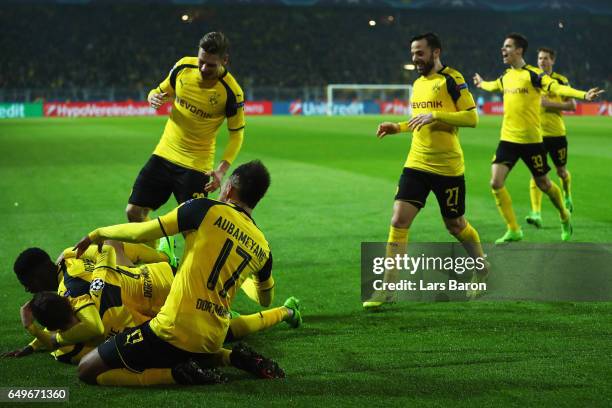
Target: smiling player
(521, 133)
(441, 103)
(205, 94)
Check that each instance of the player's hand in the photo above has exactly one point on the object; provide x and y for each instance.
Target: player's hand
(22, 352)
(420, 120)
(593, 94)
(215, 180)
(26, 314)
(83, 244)
(477, 79)
(387, 128)
(158, 99)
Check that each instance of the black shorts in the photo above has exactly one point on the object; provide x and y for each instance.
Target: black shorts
(138, 348)
(159, 178)
(556, 146)
(532, 154)
(414, 187)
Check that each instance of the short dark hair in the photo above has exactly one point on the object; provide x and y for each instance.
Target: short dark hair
(51, 310)
(29, 265)
(519, 40)
(215, 43)
(252, 180)
(433, 41)
(550, 51)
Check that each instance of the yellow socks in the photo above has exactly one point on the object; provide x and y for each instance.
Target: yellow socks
(242, 326)
(140, 253)
(536, 196)
(554, 192)
(396, 241)
(123, 376)
(471, 241)
(504, 205)
(396, 245)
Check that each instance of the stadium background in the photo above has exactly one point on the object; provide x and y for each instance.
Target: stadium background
(332, 184)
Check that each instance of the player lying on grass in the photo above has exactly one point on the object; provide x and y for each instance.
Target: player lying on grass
(223, 247)
(123, 297)
(71, 278)
(521, 134)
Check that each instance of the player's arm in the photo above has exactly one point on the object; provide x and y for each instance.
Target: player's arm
(90, 327)
(260, 287)
(131, 232)
(550, 85)
(163, 92)
(466, 114)
(90, 254)
(234, 112)
(34, 346)
(489, 86)
(45, 338)
(569, 104)
(391, 128)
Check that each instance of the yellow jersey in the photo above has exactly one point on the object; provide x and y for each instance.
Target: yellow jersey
(552, 119)
(522, 89)
(435, 147)
(106, 300)
(222, 249)
(75, 274)
(198, 111)
(143, 288)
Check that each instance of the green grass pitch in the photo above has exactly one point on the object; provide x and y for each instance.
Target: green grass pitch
(332, 188)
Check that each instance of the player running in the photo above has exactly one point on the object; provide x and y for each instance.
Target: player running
(521, 133)
(441, 103)
(554, 136)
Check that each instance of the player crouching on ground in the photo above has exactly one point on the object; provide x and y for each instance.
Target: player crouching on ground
(223, 247)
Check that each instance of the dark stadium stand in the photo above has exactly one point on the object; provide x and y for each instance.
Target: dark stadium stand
(117, 51)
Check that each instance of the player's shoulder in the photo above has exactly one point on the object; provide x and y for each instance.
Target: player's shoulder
(187, 62)
(199, 205)
(560, 78)
(230, 81)
(505, 72)
(454, 81)
(534, 70)
(453, 73)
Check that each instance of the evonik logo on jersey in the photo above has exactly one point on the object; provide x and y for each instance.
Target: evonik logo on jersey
(192, 108)
(426, 105)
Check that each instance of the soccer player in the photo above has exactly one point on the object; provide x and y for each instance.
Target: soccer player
(75, 280)
(441, 103)
(122, 297)
(204, 94)
(223, 247)
(554, 136)
(521, 133)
